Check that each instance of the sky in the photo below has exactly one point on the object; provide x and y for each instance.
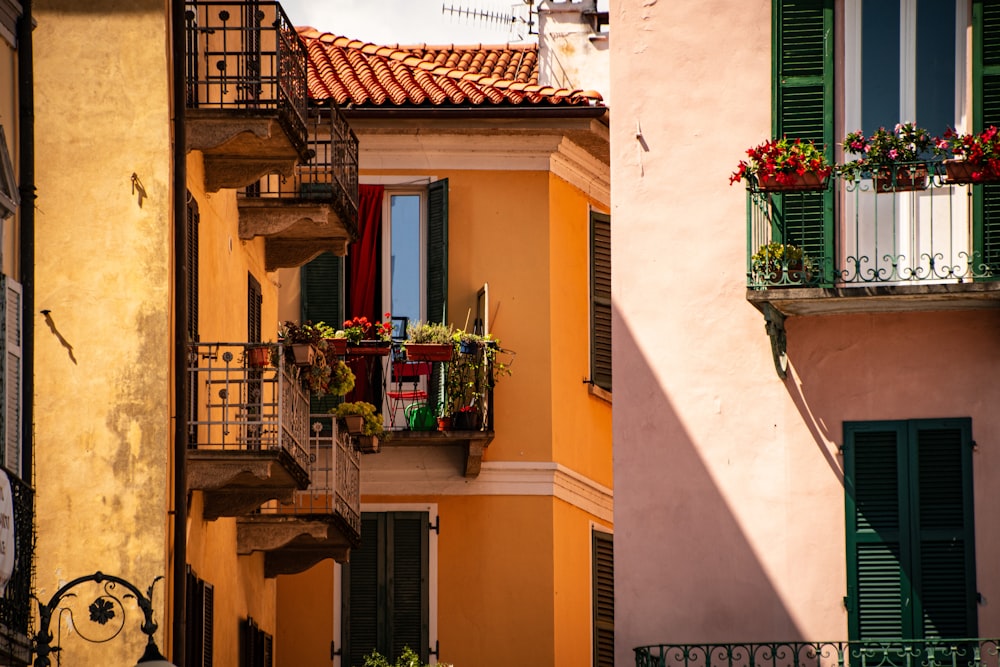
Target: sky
(410, 21)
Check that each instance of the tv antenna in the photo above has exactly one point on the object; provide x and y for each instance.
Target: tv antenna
(520, 21)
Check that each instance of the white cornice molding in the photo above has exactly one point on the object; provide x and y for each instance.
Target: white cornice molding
(499, 150)
(434, 476)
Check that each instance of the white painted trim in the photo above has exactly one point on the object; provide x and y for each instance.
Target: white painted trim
(497, 478)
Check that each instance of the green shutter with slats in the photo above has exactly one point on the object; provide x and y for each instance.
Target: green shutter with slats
(322, 285)
(600, 300)
(603, 564)
(193, 225)
(437, 251)
(910, 547)
(986, 112)
(386, 594)
(802, 108)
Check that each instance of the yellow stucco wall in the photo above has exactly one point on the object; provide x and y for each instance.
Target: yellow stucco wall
(102, 387)
(306, 616)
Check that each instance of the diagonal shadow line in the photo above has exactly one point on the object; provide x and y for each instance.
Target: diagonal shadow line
(62, 341)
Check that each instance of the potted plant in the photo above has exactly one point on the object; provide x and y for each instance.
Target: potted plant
(784, 165)
(361, 420)
(769, 263)
(472, 343)
(300, 342)
(977, 156)
(468, 381)
(367, 337)
(258, 355)
(895, 159)
(429, 341)
(341, 380)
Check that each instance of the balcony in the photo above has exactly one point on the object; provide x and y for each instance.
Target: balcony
(872, 246)
(315, 210)
(870, 653)
(248, 429)
(245, 78)
(323, 521)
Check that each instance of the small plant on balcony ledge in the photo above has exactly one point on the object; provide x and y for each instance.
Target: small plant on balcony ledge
(979, 156)
(358, 329)
(769, 263)
(362, 421)
(784, 165)
(429, 341)
(406, 659)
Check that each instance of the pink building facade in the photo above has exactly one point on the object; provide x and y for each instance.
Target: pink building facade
(808, 458)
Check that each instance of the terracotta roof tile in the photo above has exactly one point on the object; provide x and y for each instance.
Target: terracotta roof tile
(348, 70)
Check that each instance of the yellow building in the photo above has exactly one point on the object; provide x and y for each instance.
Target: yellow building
(498, 184)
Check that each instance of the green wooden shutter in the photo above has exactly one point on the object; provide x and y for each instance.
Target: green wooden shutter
(255, 300)
(875, 584)
(802, 108)
(600, 300)
(910, 542)
(603, 564)
(946, 605)
(10, 375)
(986, 112)
(193, 224)
(437, 251)
(386, 596)
(322, 285)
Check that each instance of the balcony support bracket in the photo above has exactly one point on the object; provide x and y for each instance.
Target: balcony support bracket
(774, 325)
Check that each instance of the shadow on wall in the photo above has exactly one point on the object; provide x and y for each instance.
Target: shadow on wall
(684, 569)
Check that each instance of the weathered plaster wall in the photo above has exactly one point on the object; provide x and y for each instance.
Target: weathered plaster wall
(729, 503)
(102, 385)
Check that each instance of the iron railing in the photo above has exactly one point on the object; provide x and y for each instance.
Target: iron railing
(975, 652)
(245, 55)
(331, 174)
(240, 404)
(860, 232)
(15, 604)
(334, 477)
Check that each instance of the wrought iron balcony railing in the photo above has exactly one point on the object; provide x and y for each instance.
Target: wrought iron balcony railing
(858, 233)
(332, 173)
(975, 652)
(15, 603)
(334, 478)
(240, 402)
(245, 55)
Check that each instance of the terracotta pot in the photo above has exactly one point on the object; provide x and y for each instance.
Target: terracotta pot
(303, 353)
(806, 182)
(444, 423)
(367, 444)
(959, 172)
(369, 348)
(467, 421)
(336, 346)
(908, 179)
(428, 351)
(354, 424)
(258, 357)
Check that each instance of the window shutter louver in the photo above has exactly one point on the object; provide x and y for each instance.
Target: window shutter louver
(600, 300)
(207, 624)
(193, 222)
(603, 563)
(802, 108)
(361, 617)
(910, 560)
(437, 251)
(407, 583)
(255, 301)
(200, 628)
(322, 285)
(986, 112)
(10, 374)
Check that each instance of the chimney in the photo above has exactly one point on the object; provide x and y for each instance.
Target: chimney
(573, 46)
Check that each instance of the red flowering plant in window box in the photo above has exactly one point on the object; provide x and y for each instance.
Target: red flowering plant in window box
(358, 329)
(784, 165)
(977, 156)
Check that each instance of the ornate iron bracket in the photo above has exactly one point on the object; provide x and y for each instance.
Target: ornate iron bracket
(774, 325)
(103, 610)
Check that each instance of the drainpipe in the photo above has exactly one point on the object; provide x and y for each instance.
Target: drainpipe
(179, 104)
(26, 144)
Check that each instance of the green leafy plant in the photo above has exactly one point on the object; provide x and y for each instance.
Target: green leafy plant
(290, 333)
(981, 151)
(341, 379)
(373, 420)
(772, 258)
(884, 148)
(783, 160)
(470, 377)
(424, 333)
(408, 658)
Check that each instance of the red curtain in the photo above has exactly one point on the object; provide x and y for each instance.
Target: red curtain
(362, 264)
(363, 254)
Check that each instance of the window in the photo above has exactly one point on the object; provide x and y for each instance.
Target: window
(256, 646)
(603, 564)
(199, 630)
(910, 547)
(386, 590)
(600, 300)
(254, 302)
(912, 67)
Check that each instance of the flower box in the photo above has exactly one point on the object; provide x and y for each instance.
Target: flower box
(336, 346)
(908, 179)
(369, 348)
(367, 444)
(467, 421)
(807, 182)
(303, 353)
(258, 357)
(962, 172)
(428, 352)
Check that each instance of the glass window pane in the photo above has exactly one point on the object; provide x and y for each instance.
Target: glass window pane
(879, 65)
(936, 64)
(405, 251)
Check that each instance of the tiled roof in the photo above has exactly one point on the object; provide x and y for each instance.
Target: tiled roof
(373, 76)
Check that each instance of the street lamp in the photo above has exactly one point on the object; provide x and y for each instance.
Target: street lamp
(102, 611)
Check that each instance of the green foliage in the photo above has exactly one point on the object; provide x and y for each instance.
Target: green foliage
(771, 258)
(408, 658)
(373, 420)
(423, 333)
(341, 379)
(904, 143)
